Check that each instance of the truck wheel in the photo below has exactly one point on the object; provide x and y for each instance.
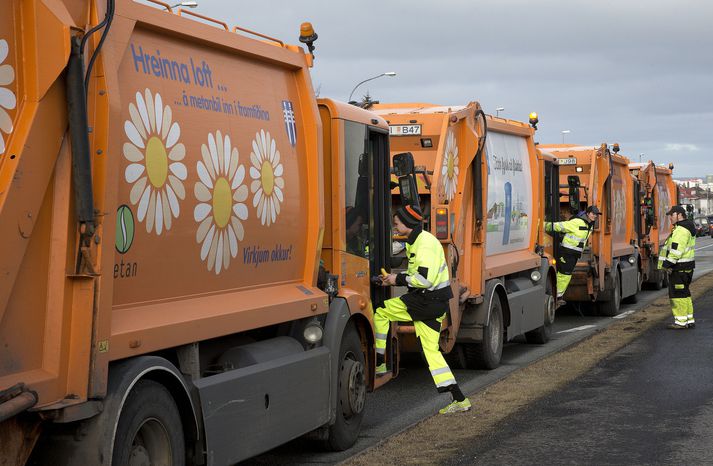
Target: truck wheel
(633, 299)
(486, 354)
(149, 429)
(541, 335)
(611, 308)
(352, 393)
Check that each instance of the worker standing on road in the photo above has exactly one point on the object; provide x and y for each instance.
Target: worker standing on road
(576, 232)
(425, 303)
(677, 257)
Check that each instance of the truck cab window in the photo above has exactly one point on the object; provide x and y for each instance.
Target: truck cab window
(356, 184)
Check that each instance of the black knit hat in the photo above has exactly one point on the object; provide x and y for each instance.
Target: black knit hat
(410, 215)
(677, 209)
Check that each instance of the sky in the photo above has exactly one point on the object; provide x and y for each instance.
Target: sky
(639, 73)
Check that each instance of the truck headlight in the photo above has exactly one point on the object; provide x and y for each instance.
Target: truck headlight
(535, 276)
(632, 260)
(313, 333)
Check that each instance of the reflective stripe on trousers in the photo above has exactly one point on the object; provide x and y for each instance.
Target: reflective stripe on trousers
(394, 310)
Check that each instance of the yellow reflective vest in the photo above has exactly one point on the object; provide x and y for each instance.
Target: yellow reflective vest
(576, 232)
(678, 251)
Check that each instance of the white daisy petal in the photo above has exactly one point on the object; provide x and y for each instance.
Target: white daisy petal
(4, 48)
(136, 120)
(226, 250)
(201, 192)
(238, 178)
(203, 229)
(133, 172)
(172, 201)
(278, 170)
(179, 170)
(204, 176)
(238, 228)
(213, 153)
(133, 134)
(219, 254)
(131, 153)
(2, 144)
(150, 111)
(233, 163)
(271, 152)
(141, 106)
(254, 173)
(212, 252)
(280, 182)
(278, 193)
(226, 155)
(241, 211)
(7, 75)
(7, 99)
(144, 204)
(219, 146)
(240, 194)
(178, 152)
(258, 196)
(207, 243)
(137, 189)
(233, 240)
(177, 186)
(166, 211)
(158, 108)
(5, 122)
(166, 125)
(201, 211)
(151, 212)
(173, 135)
(159, 214)
(207, 160)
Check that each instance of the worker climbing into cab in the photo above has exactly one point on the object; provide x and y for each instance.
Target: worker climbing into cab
(576, 232)
(677, 257)
(426, 303)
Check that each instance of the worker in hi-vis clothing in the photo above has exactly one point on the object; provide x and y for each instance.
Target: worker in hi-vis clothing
(425, 303)
(575, 232)
(677, 257)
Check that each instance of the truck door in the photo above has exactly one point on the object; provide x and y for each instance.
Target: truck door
(552, 200)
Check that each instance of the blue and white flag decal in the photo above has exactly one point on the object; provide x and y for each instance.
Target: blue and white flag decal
(288, 112)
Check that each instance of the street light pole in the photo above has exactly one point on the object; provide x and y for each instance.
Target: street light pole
(185, 5)
(640, 156)
(565, 131)
(388, 73)
(498, 110)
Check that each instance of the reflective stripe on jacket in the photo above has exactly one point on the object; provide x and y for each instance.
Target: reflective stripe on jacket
(576, 232)
(679, 249)
(427, 267)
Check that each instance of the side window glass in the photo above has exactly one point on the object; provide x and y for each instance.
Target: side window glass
(356, 185)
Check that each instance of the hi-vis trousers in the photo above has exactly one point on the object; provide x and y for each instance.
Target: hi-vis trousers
(566, 263)
(394, 310)
(680, 295)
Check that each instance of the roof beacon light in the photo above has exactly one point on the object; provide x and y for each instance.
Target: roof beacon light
(534, 120)
(308, 36)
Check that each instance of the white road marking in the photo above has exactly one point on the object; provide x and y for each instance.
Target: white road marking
(577, 329)
(703, 247)
(624, 314)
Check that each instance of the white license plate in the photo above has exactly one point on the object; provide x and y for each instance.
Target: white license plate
(405, 130)
(568, 161)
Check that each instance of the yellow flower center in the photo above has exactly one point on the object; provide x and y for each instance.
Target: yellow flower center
(222, 202)
(451, 168)
(156, 162)
(268, 177)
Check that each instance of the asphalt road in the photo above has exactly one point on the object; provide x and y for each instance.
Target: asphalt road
(412, 397)
(649, 403)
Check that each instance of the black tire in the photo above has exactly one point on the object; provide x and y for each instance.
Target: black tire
(660, 279)
(611, 307)
(541, 335)
(149, 429)
(352, 393)
(486, 354)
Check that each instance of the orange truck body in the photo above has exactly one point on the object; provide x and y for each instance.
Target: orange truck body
(658, 193)
(479, 190)
(610, 267)
(218, 185)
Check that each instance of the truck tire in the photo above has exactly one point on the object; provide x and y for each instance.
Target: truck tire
(660, 279)
(149, 429)
(611, 307)
(486, 354)
(633, 299)
(351, 391)
(542, 335)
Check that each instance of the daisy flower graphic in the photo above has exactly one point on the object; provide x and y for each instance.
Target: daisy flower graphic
(266, 172)
(156, 171)
(221, 209)
(8, 101)
(449, 170)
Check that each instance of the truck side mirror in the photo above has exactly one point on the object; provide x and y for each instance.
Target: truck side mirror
(405, 170)
(403, 164)
(573, 183)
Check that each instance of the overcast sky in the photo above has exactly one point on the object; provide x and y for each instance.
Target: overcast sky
(639, 73)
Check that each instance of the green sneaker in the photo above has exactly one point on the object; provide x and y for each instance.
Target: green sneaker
(381, 369)
(456, 407)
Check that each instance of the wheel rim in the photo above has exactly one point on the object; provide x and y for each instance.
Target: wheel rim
(550, 310)
(353, 389)
(151, 445)
(494, 330)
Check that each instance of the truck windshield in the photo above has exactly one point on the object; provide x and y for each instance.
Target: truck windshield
(356, 187)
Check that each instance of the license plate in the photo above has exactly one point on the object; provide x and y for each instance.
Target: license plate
(568, 161)
(405, 130)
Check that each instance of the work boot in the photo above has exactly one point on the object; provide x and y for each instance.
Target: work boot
(456, 407)
(675, 326)
(691, 325)
(561, 302)
(381, 369)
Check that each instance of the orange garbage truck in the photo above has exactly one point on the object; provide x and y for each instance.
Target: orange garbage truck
(484, 189)
(179, 281)
(657, 194)
(609, 269)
